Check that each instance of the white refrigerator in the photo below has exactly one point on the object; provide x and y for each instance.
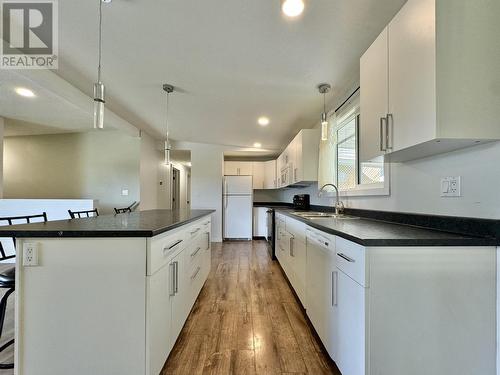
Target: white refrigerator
(237, 200)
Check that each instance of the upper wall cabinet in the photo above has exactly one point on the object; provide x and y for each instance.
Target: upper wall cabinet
(303, 156)
(426, 81)
(270, 174)
(238, 168)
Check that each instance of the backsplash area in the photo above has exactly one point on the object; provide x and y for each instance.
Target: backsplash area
(286, 195)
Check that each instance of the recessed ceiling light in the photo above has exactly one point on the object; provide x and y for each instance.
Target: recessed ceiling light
(25, 92)
(292, 8)
(257, 145)
(263, 121)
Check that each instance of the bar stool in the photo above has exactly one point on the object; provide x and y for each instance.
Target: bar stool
(80, 214)
(124, 210)
(8, 277)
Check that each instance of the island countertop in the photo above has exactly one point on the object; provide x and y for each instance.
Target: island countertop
(136, 224)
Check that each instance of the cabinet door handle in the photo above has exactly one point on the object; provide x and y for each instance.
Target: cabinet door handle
(176, 267)
(172, 279)
(193, 254)
(388, 127)
(195, 273)
(382, 121)
(335, 275)
(343, 256)
(208, 241)
(292, 253)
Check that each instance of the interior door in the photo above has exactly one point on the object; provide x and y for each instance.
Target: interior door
(374, 99)
(176, 188)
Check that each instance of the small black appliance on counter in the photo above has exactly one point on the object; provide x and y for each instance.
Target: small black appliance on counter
(301, 202)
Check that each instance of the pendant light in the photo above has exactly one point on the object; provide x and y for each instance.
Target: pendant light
(168, 89)
(99, 86)
(324, 89)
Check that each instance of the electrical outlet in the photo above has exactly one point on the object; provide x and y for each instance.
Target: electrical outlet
(30, 254)
(451, 186)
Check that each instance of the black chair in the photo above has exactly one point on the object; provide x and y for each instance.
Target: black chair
(8, 277)
(124, 210)
(80, 214)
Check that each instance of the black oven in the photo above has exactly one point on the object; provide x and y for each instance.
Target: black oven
(271, 245)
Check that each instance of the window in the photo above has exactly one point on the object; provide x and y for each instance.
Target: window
(352, 176)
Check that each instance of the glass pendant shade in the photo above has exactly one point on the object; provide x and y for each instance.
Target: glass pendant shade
(167, 153)
(98, 105)
(324, 127)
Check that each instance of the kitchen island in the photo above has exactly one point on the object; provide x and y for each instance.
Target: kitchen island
(106, 295)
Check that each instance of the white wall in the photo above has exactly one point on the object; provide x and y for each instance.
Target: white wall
(206, 180)
(94, 165)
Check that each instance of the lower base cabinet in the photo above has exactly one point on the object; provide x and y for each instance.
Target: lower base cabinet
(395, 310)
(172, 289)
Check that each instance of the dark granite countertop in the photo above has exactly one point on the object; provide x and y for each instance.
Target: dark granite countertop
(368, 232)
(136, 224)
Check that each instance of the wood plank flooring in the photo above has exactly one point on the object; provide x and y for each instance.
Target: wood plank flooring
(247, 321)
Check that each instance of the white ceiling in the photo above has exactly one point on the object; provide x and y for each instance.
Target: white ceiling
(232, 60)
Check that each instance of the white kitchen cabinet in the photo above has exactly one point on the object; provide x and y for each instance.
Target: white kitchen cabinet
(435, 100)
(360, 300)
(270, 174)
(258, 174)
(374, 98)
(348, 330)
(305, 151)
(159, 287)
(238, 168)
(319, 297)
(260, 222)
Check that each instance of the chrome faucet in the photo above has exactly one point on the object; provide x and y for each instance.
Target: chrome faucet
(339, 206)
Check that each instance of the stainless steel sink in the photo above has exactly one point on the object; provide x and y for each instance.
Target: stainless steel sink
(322, 215)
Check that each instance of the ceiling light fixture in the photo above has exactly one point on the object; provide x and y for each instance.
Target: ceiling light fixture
(324, 88)
(292, 8)
(263, 121)
(99, 100)
(168, 89)
(24, 92)
(257, 145)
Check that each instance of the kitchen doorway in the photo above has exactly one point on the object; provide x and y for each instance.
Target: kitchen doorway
(176, 188)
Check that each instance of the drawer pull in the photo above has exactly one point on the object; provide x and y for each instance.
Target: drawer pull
(343, 256)
(193, 254)
(195, 273)
(172, 246)
(195, 231)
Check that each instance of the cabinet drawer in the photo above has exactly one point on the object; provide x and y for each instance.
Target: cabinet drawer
(162, 248)
(350, 258)
(296, 228)
(195, 250)
(195, 230)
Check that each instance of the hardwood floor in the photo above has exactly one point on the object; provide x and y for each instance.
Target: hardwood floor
(246, 321)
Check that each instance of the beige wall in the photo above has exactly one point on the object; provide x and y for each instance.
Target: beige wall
(95, 165)
(153, 195)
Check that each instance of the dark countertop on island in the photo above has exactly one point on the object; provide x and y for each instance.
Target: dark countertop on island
(136, 224)
(369, 232)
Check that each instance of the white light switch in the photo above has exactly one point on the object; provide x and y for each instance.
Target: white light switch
(30, 254)
(124, 192)
(450, 186)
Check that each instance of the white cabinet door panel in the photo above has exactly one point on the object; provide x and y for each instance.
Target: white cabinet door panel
(373, 97)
